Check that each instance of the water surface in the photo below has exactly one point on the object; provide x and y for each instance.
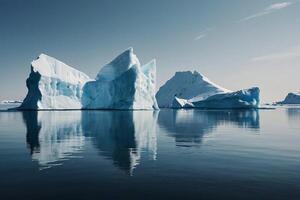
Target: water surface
(170, 154)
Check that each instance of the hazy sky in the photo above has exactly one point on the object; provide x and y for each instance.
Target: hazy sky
(235, 43)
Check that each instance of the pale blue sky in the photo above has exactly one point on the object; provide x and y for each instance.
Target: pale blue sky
(236, 43)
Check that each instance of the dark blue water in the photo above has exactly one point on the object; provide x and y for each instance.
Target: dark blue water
(184, 154)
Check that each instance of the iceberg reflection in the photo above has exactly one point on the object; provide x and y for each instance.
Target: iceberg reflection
(293, 113)
(53, 137)
(121, 136)
(189, 126)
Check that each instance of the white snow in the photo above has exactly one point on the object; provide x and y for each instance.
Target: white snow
(192, 89)
(291, 98)
(50, 67)
(122, 84)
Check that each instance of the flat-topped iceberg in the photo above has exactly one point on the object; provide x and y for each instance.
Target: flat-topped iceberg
(53, 85)
(122, 84)
(193, 90)
(291, 98)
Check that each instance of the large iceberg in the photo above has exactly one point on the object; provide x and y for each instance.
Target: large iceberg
(291, 98)
(122, 84)
(193, 90)
(53, 85)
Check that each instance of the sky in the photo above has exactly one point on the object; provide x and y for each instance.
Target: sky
(235, 43)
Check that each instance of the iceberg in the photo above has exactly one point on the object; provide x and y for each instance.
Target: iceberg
(291, 98)
(194, 90)
(186, 85)
(122, 84)
(53, 85)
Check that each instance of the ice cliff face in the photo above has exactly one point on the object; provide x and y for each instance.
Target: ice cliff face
(122, 84)
(53, 85)
(291, 98)
(193, 90)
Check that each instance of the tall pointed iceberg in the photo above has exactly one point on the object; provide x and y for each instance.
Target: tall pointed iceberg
(122, 84)
(53, 85)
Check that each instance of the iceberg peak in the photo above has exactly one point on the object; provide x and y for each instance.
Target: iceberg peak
(119, 65)
(43, 55)
(149, 69)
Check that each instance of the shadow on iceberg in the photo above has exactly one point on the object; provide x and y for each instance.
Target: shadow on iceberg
(122, 136)
(188, 127)
(34, 94)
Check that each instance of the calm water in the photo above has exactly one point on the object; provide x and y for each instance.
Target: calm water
(183, 154)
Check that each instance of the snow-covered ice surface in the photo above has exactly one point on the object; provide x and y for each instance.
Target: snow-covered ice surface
(291, 98)
(122, 84)
(192, 89)
(53, 85)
